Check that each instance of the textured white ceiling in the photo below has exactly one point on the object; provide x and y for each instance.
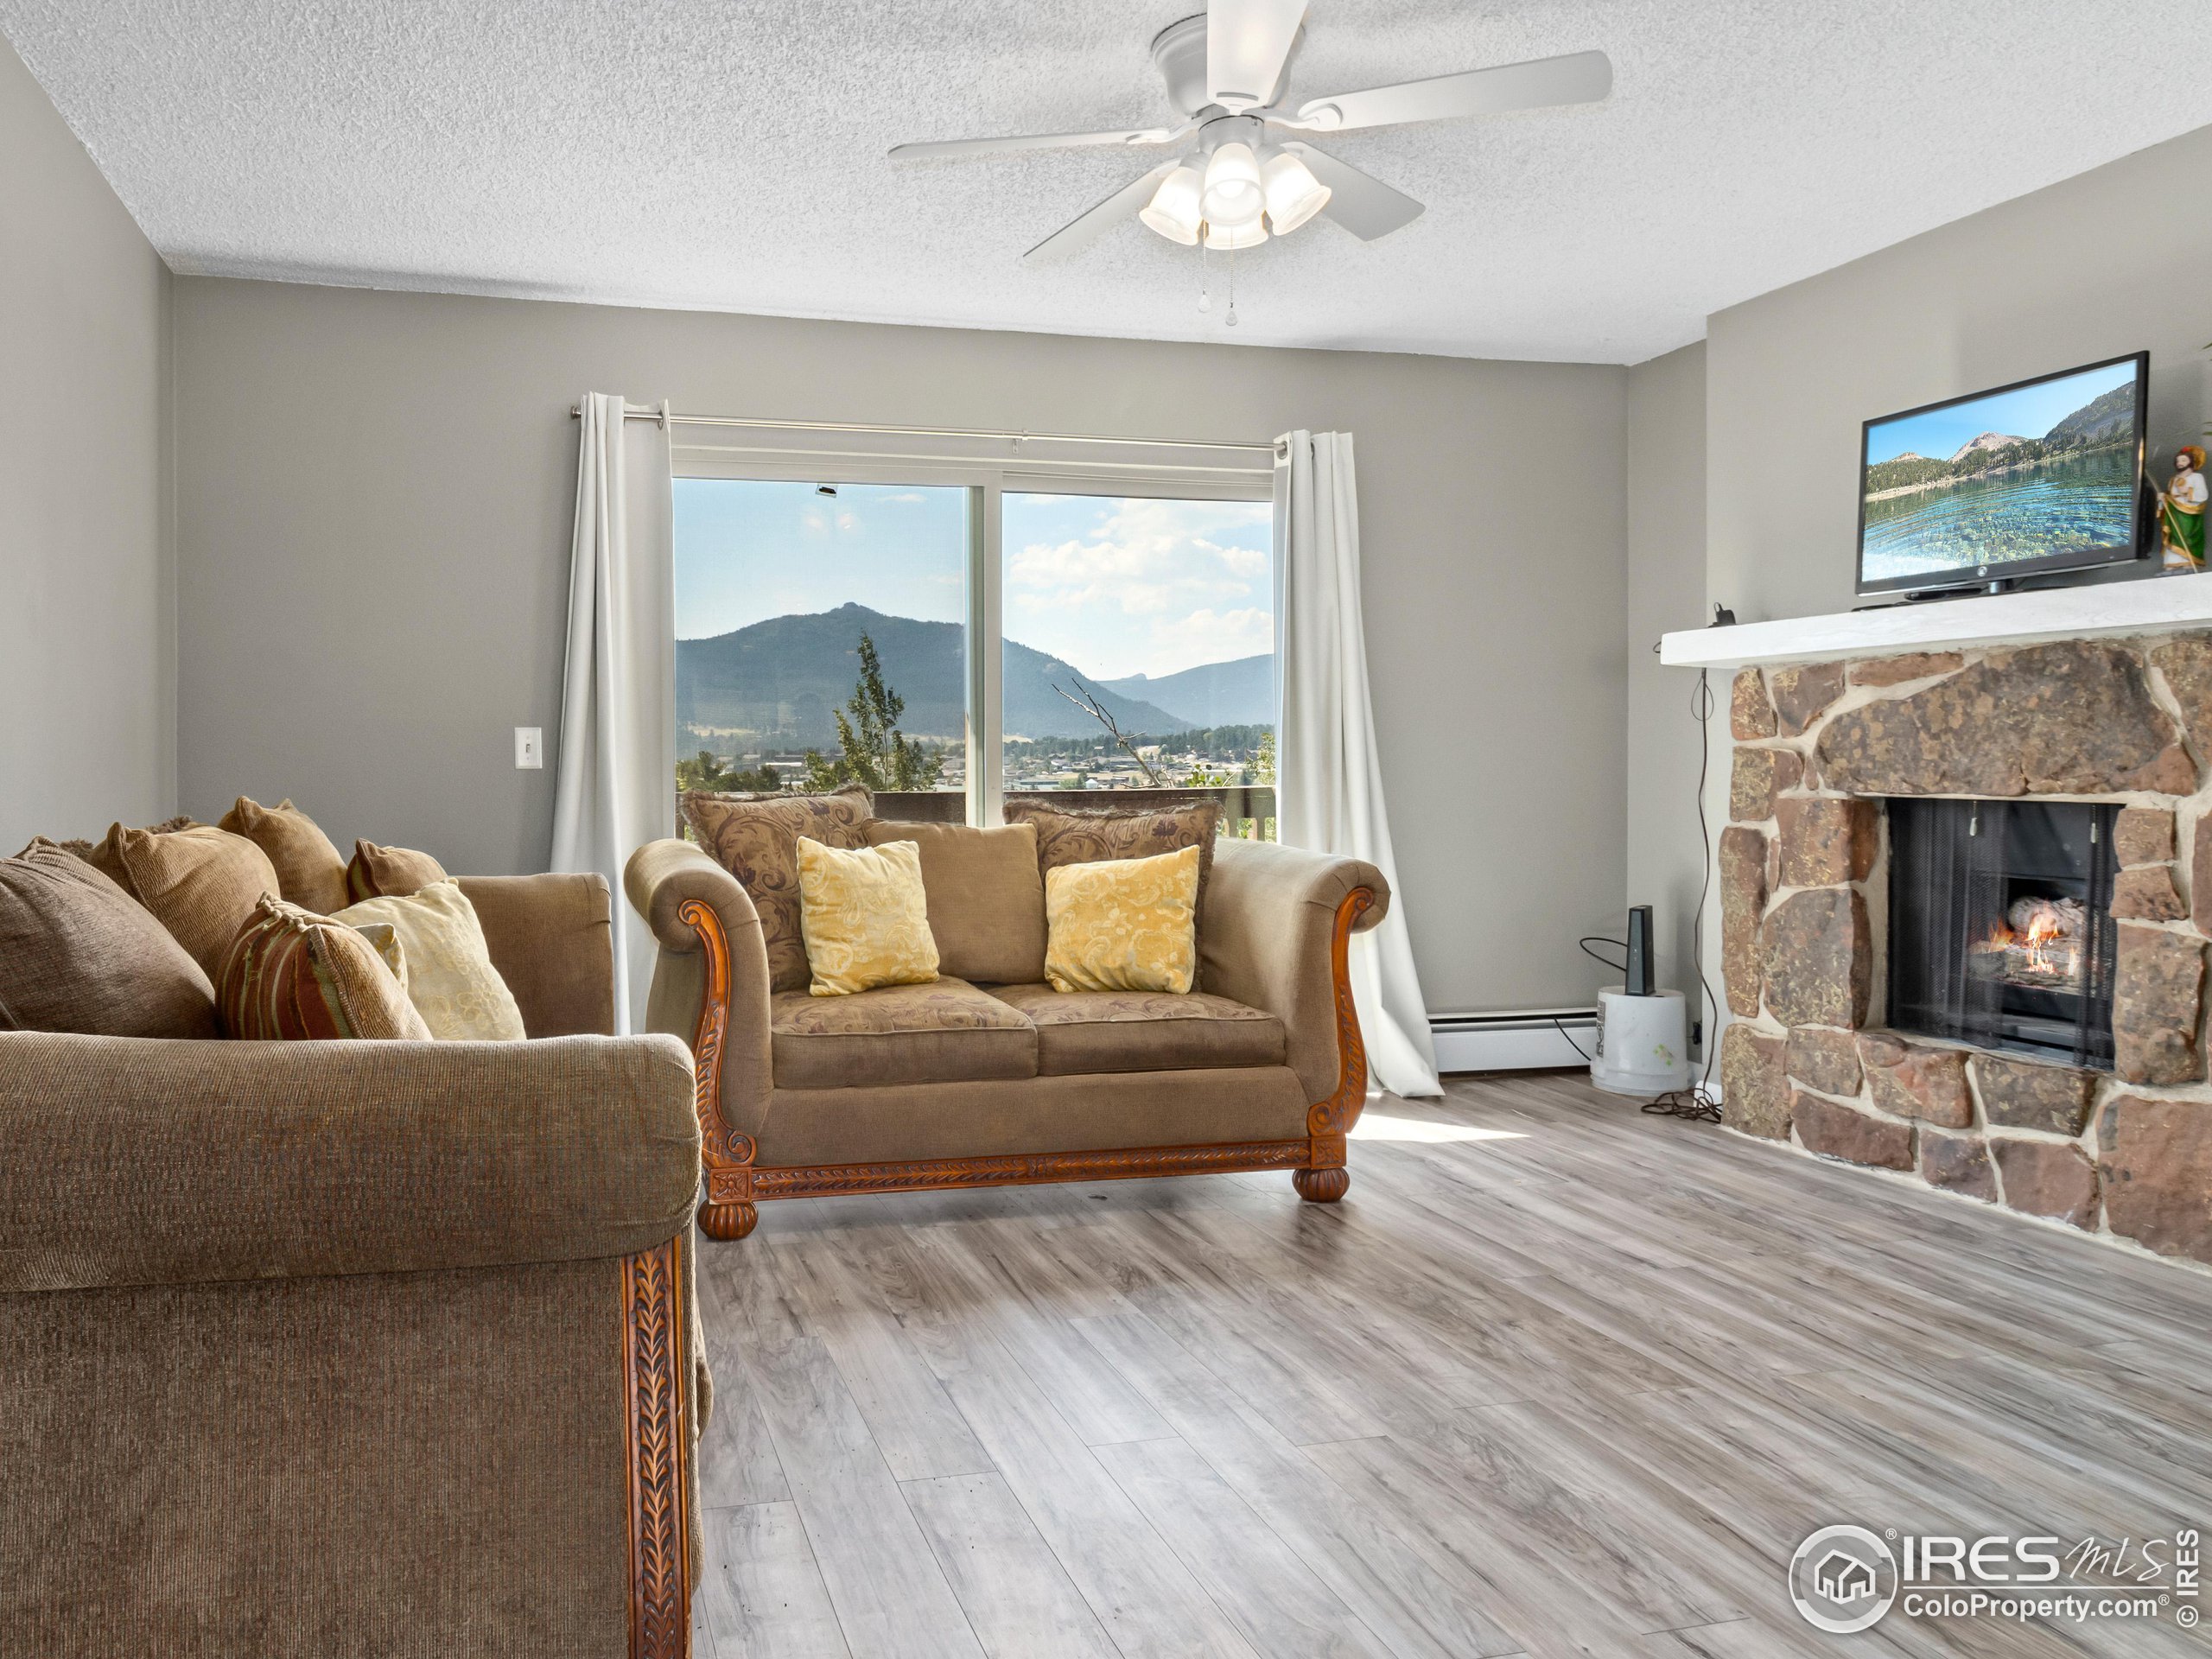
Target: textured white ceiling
(728, 154)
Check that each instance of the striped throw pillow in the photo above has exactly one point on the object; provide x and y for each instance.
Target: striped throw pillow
(293, 976)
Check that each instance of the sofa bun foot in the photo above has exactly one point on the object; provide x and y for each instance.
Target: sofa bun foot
(1321, 1186)
(726, 1221)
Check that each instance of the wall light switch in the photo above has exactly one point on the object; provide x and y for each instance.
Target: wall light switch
(529, 747)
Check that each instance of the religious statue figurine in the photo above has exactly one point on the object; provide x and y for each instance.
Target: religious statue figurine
(2181, 511)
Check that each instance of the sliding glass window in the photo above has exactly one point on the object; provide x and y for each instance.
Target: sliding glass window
(1140, 651)
(821, 639)
(943, 642)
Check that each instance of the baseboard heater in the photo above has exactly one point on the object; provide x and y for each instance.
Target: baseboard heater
(1523, 1041)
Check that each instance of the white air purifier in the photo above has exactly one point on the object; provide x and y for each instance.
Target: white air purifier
(1643, 1043)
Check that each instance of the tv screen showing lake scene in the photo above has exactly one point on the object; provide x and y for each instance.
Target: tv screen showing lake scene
(2022, 474)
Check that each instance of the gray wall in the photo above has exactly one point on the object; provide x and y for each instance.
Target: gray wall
(88, 673)
(2109, 261)
(2106, 263)
(374, 516)
(1665, 591)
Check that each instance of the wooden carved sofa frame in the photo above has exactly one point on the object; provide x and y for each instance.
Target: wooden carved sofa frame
(736, 1182)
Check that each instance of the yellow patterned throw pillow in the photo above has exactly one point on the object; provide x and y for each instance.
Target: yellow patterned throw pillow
(864, 917)
(1124, 923)
(450, 978)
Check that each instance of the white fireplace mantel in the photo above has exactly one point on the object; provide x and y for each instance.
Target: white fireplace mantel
(2156, 605)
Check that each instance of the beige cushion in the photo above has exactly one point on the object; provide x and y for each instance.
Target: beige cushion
(449, 976)
(755, 838)
(77, 953)
(866, 921)
(1124, 923)
(551, 938)
(201, 883)
(1084, 835)
(1001, 1117)
(310, 871)
(294, 976)
(947, 1032)
(389, 872)
(1142, 1030)
(986, 897)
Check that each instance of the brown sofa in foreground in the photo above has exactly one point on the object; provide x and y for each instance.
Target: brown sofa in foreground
(957, 1084)
(354, 1348)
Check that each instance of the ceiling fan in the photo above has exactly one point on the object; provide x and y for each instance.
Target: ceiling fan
(1250, 173)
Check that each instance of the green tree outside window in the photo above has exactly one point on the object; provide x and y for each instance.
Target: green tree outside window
(871, 749)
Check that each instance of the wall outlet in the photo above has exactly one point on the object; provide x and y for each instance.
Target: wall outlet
(529, 747)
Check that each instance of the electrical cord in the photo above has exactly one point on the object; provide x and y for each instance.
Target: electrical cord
(1620, 967)
(1621, 945)
(1697, 1102)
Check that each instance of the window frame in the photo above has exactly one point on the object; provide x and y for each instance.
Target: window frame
(987, 482)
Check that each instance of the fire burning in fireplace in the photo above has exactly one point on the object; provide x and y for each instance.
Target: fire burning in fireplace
(2038, 944)
(2001, 933)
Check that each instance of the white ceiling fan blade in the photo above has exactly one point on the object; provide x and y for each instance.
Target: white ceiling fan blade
(1578, 78)
(1087, 227)
(1247, 42)
(937, 148)
(1361, 203)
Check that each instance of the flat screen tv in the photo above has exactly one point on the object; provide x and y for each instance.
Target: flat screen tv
(2040, 476)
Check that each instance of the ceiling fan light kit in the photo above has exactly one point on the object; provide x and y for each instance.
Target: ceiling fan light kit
(1175, 209)
(1233, 198)
(1295, 195)
(1228, 70)
(1230, 238)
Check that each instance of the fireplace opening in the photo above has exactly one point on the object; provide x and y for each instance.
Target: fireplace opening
(2000, 925)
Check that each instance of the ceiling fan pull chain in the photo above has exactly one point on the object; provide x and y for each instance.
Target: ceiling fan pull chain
(1206, 299)
(1230, 320)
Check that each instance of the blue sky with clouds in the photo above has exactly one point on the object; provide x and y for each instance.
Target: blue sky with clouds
(747, 551)
(1115, 585)
(2028, 413)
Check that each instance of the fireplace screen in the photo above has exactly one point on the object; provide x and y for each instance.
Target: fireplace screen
(2000, 925)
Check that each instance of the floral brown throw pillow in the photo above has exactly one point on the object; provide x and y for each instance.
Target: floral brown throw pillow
(755, 838)
(1087, 835)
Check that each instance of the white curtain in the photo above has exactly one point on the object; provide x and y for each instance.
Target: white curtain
(1330, 793)
(616, 787)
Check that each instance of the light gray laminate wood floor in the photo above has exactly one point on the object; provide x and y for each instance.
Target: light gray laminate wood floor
(1555, 1378)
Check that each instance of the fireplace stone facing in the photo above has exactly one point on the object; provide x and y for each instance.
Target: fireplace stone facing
(2125, 1154)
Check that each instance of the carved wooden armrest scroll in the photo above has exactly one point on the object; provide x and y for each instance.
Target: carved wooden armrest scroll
(728, 1212)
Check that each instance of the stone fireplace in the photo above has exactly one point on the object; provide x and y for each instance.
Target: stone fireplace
(1957, 930)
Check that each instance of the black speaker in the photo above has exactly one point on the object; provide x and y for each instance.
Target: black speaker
(1639, 950)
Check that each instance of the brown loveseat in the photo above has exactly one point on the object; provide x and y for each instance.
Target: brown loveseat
(354, 1348)
(962, 1085)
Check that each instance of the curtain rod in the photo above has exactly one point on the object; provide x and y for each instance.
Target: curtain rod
(631, 411)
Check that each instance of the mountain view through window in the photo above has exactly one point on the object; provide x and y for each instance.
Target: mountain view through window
(1139, 647)
(823, 639)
